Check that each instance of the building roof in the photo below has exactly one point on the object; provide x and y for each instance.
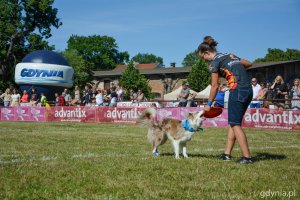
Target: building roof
(155, 68)
(144, 69)
(268, 64)
(138, 66)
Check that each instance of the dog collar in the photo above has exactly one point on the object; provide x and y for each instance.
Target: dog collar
(186, 125)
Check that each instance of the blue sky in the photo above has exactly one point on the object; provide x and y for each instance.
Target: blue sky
(173, 28)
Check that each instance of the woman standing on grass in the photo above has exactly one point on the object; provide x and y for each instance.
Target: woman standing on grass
(234, 70)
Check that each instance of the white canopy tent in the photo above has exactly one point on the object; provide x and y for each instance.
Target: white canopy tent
(204, 94)
(174, 95)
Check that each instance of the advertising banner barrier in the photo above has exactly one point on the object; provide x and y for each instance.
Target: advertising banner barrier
(118, 115)
(275, 119)
(8, 114)
(71, 114)
(257, 118)
(23, 114)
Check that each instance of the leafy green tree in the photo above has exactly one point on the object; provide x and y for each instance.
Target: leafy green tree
(199, 77)
(132, 79)
(280, 55)
(100, 51)
(24, 24)
(82, 70)
(190, 59)
(145, 58)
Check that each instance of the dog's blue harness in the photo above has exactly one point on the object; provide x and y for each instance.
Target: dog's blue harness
(186, 125)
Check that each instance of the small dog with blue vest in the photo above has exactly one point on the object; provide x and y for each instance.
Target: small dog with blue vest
(178, 132)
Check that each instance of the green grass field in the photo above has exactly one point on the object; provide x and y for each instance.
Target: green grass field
(110, 161)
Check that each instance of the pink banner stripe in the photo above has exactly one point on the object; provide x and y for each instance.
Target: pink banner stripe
(257, 118)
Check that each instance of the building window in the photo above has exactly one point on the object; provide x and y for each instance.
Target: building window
(156, 95)
(106, 84)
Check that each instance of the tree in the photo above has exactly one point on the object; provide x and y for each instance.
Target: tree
(169, 83)
(99, 51)
(280, 55)
(132, 79)
(145, 58)
(190, 59)
(199, 77)
(82, 70)
(24, 24)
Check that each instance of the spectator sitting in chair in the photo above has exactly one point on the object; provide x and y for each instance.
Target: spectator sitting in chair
(219, 99)
(184, 94)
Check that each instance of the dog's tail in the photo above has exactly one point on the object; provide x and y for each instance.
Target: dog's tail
(147, 118)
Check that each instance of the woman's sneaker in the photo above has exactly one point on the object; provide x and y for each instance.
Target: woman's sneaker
(245, 160)
(225, 157)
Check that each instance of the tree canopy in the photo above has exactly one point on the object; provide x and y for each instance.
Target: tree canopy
(132, 79)
(101, 52)
(24, 24)
(280, 55)
(82, 71)
(145, 58)
(199, 76)
(190, 59)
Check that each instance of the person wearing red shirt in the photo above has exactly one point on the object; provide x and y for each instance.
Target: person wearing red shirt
(61, 100)
(25, 97)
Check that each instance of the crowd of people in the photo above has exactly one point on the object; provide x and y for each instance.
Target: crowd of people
(89, 96)
(11, 97)
(275, 95)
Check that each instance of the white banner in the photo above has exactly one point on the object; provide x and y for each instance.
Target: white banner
(44, 74)
(139, 105)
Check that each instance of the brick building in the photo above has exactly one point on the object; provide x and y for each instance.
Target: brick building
(164, 80)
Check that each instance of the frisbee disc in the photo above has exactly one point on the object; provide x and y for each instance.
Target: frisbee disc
(214, 112)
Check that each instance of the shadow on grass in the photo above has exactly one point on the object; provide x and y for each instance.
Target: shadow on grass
(259, 156)
(268, 156)
(190, 155)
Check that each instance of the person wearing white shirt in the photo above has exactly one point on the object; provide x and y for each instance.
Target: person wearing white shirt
(99, 98)
(256, 88)
(120, 93)
(15, 98)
